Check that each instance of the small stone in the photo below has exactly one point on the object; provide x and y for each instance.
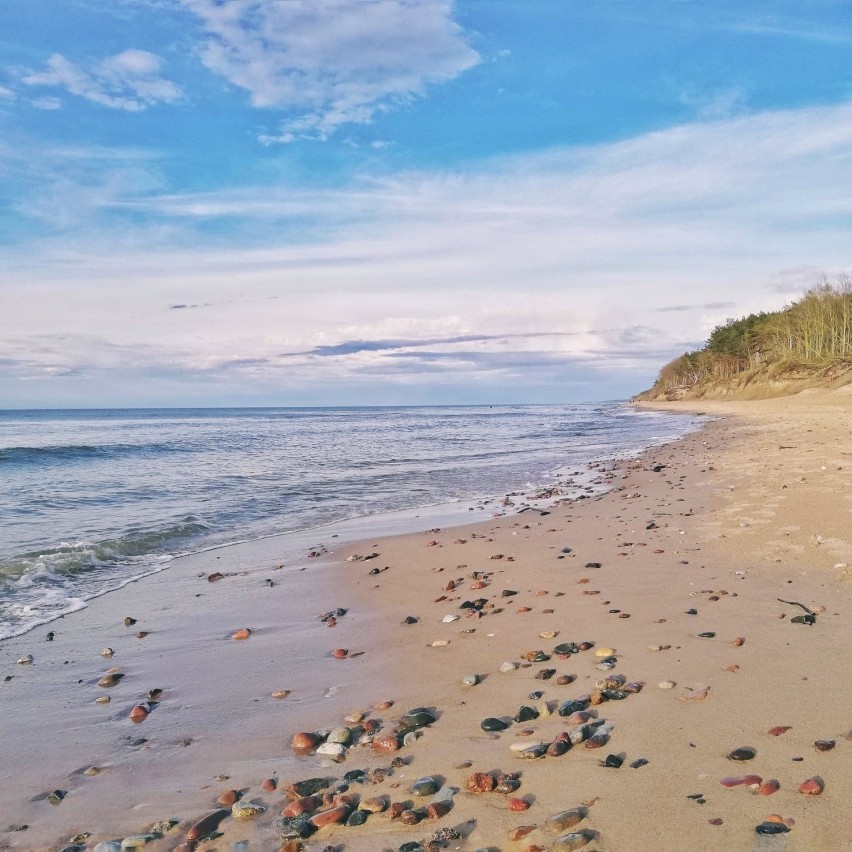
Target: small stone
(605, 652)
(340, 735)
(110, 680)
(103, 699)
(57, 796)
(137, 841)
(520, 832)
(813, 786)
(269, 785)
(566, 819)
(305, 740)
(480, 782)
(575, 840)
(743, 753)
(508, 667)
(340, 653)
(375, 805)
(386, 744)
(26, 660)
(470, 680)
(206, 825)
(437, 810)
(824, 745)
(493, 724)
(281, 693)
(667, 684)
(107, 652)
(410, 817)
(425, 786)
(228, 798)
(514, 804)
(304, 805)
(139, 713)
(247, 810)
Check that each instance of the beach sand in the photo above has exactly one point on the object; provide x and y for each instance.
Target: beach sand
(756, 507)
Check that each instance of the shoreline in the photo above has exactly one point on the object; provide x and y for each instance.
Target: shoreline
(217, 717)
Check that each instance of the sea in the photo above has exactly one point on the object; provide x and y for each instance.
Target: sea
(93, 499)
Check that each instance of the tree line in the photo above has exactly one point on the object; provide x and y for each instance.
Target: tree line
(811, 333)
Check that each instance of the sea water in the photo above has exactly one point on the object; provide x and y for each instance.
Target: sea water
(90, 500)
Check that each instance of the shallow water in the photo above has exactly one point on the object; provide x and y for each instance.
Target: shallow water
(90, 500)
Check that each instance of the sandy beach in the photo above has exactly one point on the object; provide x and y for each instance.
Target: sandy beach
(678, 570)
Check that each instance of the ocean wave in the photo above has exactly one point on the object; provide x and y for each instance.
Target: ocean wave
(66, 452)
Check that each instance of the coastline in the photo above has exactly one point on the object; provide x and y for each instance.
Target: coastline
(217, 717)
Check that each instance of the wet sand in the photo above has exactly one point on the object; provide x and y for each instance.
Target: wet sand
(756, 507)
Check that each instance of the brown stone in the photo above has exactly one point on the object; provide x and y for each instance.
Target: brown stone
(813, 786)
(269, 785)
(139, 713)
(386, 744)
(305, 740)
(520, 831)
(228, 798)
(333, 816)
(396, 810)
(206, 825)
(437, 810)
(244, 633)
(340, 653)
(375, 805)
(410, 817)
(517, 804)
(305, 805)
(480, 782)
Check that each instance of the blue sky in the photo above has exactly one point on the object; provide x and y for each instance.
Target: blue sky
(280, 202)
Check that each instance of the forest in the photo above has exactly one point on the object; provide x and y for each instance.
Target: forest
(810, 333)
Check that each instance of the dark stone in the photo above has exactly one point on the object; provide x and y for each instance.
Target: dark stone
(492, 724)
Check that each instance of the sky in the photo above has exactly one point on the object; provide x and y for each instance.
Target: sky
(403, 202)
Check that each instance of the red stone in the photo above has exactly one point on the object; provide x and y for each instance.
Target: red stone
(395, 810)
(386, 744)
(139, 714)
(410, 817)
(437, 810)
(780, 729)
(767, 788)
(480, 782)
(813, 786)
(740, 780)
(270, 785)
(206, 825)
(334, 816)
(340, 653)
(304, 740)
(517, 804)
(228, 798)
(305, 805)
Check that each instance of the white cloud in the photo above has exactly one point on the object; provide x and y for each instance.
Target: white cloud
(46, 103)
(128, 81)
(325, 63)
(535, 268)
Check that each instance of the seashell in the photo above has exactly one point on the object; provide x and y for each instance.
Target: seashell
(780, 729)
(26, 660)
(244, 633)
(107, 652)
(449, 619)
(743, 753)
(103, 699)
(741, 780)
(549, 634)
(605, 652)
(281, 693)
(440, 643)
(813, 786)
(767, 788)
(695, 694)
(667, 684)
(92, 770)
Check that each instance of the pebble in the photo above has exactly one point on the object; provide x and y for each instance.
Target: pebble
(281, 693)
(206, 825)
(243, 633)
(813, 786)
(493, 724)
(470, 680)
(340, 735)
(743, 753)
(425, 786)
(305, 740)
(605, 652)
(137, 841)
(667, 684)
(103, 699)
(228, 798)
(108, 846)
(26, 661)
(110, 680)
(575, 840)
(247, 810)
(107, 652)
(508, 667)
(332, 750)
(449, 619)
(565, 819)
